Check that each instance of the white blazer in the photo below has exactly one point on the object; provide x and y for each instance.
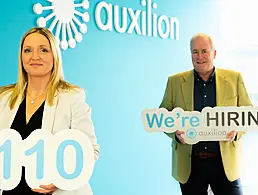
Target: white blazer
(70, 111)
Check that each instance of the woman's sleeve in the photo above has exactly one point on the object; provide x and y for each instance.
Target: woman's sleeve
(81, 119)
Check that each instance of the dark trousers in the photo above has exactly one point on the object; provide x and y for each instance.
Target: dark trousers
(206, 172)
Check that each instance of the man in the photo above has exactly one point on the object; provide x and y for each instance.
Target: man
(217, 164)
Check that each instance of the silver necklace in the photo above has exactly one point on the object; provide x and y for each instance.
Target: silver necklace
(33, 99)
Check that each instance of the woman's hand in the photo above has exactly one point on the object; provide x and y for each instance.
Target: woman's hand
(46, 189)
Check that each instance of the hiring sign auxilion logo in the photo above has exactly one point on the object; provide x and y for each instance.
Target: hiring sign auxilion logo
(212, 124)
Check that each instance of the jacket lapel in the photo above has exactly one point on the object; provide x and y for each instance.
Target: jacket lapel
(187, 87)
(221, 88)
(8, 115)
(49, 115)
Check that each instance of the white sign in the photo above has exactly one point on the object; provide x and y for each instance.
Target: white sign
(65, 159)
(212, 124)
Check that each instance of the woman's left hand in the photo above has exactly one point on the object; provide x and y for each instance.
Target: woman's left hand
(46, 189)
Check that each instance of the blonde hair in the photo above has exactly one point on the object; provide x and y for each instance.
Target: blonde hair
(204, 36)
(56, 82)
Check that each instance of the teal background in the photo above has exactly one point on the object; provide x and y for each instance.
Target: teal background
(122, 74)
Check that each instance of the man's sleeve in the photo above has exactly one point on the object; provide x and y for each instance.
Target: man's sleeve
(167, 103)
(243, 99)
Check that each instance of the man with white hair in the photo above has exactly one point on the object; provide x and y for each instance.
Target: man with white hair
(213, 163)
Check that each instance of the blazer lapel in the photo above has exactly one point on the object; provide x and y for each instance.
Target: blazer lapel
(49, 115)
(221, 88)
(8, 115)
(188, 88)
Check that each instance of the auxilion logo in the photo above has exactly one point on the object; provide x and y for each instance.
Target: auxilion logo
(108, 17)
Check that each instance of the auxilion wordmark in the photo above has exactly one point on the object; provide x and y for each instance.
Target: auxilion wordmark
(143, 22)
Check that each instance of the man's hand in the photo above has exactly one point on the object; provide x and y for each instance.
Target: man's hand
(231, 135)
(178, 134)
(47, 189)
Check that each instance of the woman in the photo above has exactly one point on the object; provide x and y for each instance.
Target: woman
(42, 99)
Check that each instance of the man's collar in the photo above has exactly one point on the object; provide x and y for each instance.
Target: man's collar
(212, 76)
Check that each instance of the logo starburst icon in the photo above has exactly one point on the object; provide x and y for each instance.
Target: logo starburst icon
(191, 133)
(68, 28)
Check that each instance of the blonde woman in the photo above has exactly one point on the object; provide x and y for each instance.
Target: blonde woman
(42, 99)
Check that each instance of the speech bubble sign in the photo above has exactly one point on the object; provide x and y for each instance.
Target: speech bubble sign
(212, 124)
(65, 159)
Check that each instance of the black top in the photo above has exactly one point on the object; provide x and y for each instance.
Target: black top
(205, 95)
(19, 124)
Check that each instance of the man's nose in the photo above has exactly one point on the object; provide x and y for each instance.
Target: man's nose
(199, 55)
